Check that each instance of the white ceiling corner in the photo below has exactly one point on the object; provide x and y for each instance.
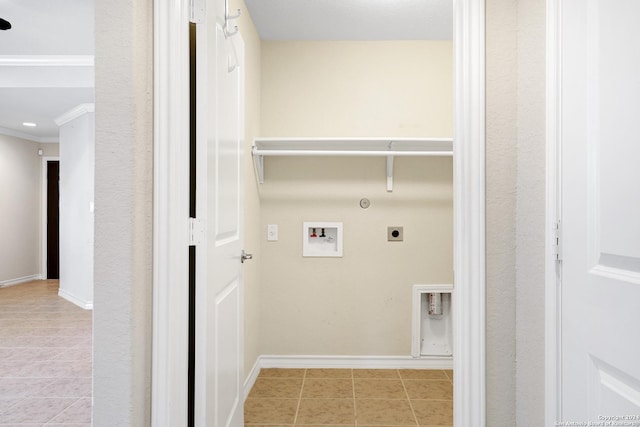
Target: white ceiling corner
(352, 19)
(46, 64)
(74, 113)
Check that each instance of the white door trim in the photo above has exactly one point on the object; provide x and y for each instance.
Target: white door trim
(469, 401)
(170, 213)
(171, 130)
(43, 215)
(553, 306)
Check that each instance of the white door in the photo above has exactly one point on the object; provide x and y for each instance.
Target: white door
(219, 354)
(600, 286)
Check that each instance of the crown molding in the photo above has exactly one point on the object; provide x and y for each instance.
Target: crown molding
(29, 137)
(47, 60)
(74, 113)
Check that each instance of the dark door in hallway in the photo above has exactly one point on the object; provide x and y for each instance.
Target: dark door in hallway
(53, 230)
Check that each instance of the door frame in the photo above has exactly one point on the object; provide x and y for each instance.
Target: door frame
(171, 229)
(553, 185)
(43, 214)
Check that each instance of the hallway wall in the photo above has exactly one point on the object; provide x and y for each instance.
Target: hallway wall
(20, 169)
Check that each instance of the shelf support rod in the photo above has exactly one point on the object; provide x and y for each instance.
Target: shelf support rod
(389, 173)
(258, 162)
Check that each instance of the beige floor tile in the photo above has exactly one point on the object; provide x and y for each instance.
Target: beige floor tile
(35, 410)
(433, 412)
(64, 387)
(270, 411)
(329, 373)
(21, 387)
(65, 425)
(375, 373)
(423, 374)
(384, 412)
(325, 411)
(45, 357)
(379, 389)
(288, 388)
(327, 387)
(281, 373)
(429, 389)
(8, 402)
(269, 425)
(79, 412)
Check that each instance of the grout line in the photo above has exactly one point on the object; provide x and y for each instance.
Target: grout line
(409, 400)
(353, 387)
(304, 377)
(447, 375)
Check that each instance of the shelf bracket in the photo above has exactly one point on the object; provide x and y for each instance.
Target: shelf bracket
(258, 161)
(389, 173)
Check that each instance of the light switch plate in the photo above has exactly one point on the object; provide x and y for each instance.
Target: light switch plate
(395, 234)
(272, 232)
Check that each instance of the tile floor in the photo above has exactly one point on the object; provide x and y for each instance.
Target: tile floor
(45, 358)
(350, 397)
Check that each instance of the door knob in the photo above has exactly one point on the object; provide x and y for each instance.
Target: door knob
(244, 256)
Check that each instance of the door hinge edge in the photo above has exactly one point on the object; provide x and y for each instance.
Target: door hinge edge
(557, 240)
(196, 231)
(197, 11)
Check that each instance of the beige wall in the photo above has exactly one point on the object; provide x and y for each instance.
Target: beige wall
(20, 170)
(530, 214)
(252, 230)
(50, 149)
(515, 211)
(124, 213)
(359, 304)
(357, 88)
(501, 137)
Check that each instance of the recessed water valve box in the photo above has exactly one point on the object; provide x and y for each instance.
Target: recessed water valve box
(322, 239)
(395, 234)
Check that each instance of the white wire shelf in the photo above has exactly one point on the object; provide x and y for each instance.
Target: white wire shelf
(361, 147)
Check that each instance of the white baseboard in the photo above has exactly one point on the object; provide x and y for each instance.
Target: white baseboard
(19, 280)
(356, 362)
(87, 305)
(251, 378)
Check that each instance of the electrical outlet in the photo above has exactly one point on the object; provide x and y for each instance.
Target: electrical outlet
(395, 234)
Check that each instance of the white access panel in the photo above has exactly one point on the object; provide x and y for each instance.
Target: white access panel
(432, 332)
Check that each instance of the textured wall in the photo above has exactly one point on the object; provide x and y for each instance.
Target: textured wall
(123, 216)
(530, 225)
(20, 213)
(359, 304)
(515, 212)
(501, 133)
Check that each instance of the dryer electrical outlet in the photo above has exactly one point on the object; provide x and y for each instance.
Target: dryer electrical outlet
(395, 234)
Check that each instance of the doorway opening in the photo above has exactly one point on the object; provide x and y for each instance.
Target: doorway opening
(468, 217)
(53, 220)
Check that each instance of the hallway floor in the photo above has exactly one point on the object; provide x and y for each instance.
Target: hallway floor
(350, 397)
(45, 358)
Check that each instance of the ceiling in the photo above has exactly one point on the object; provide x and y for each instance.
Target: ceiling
(352, 19)
(46, 64)
(46, 59)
